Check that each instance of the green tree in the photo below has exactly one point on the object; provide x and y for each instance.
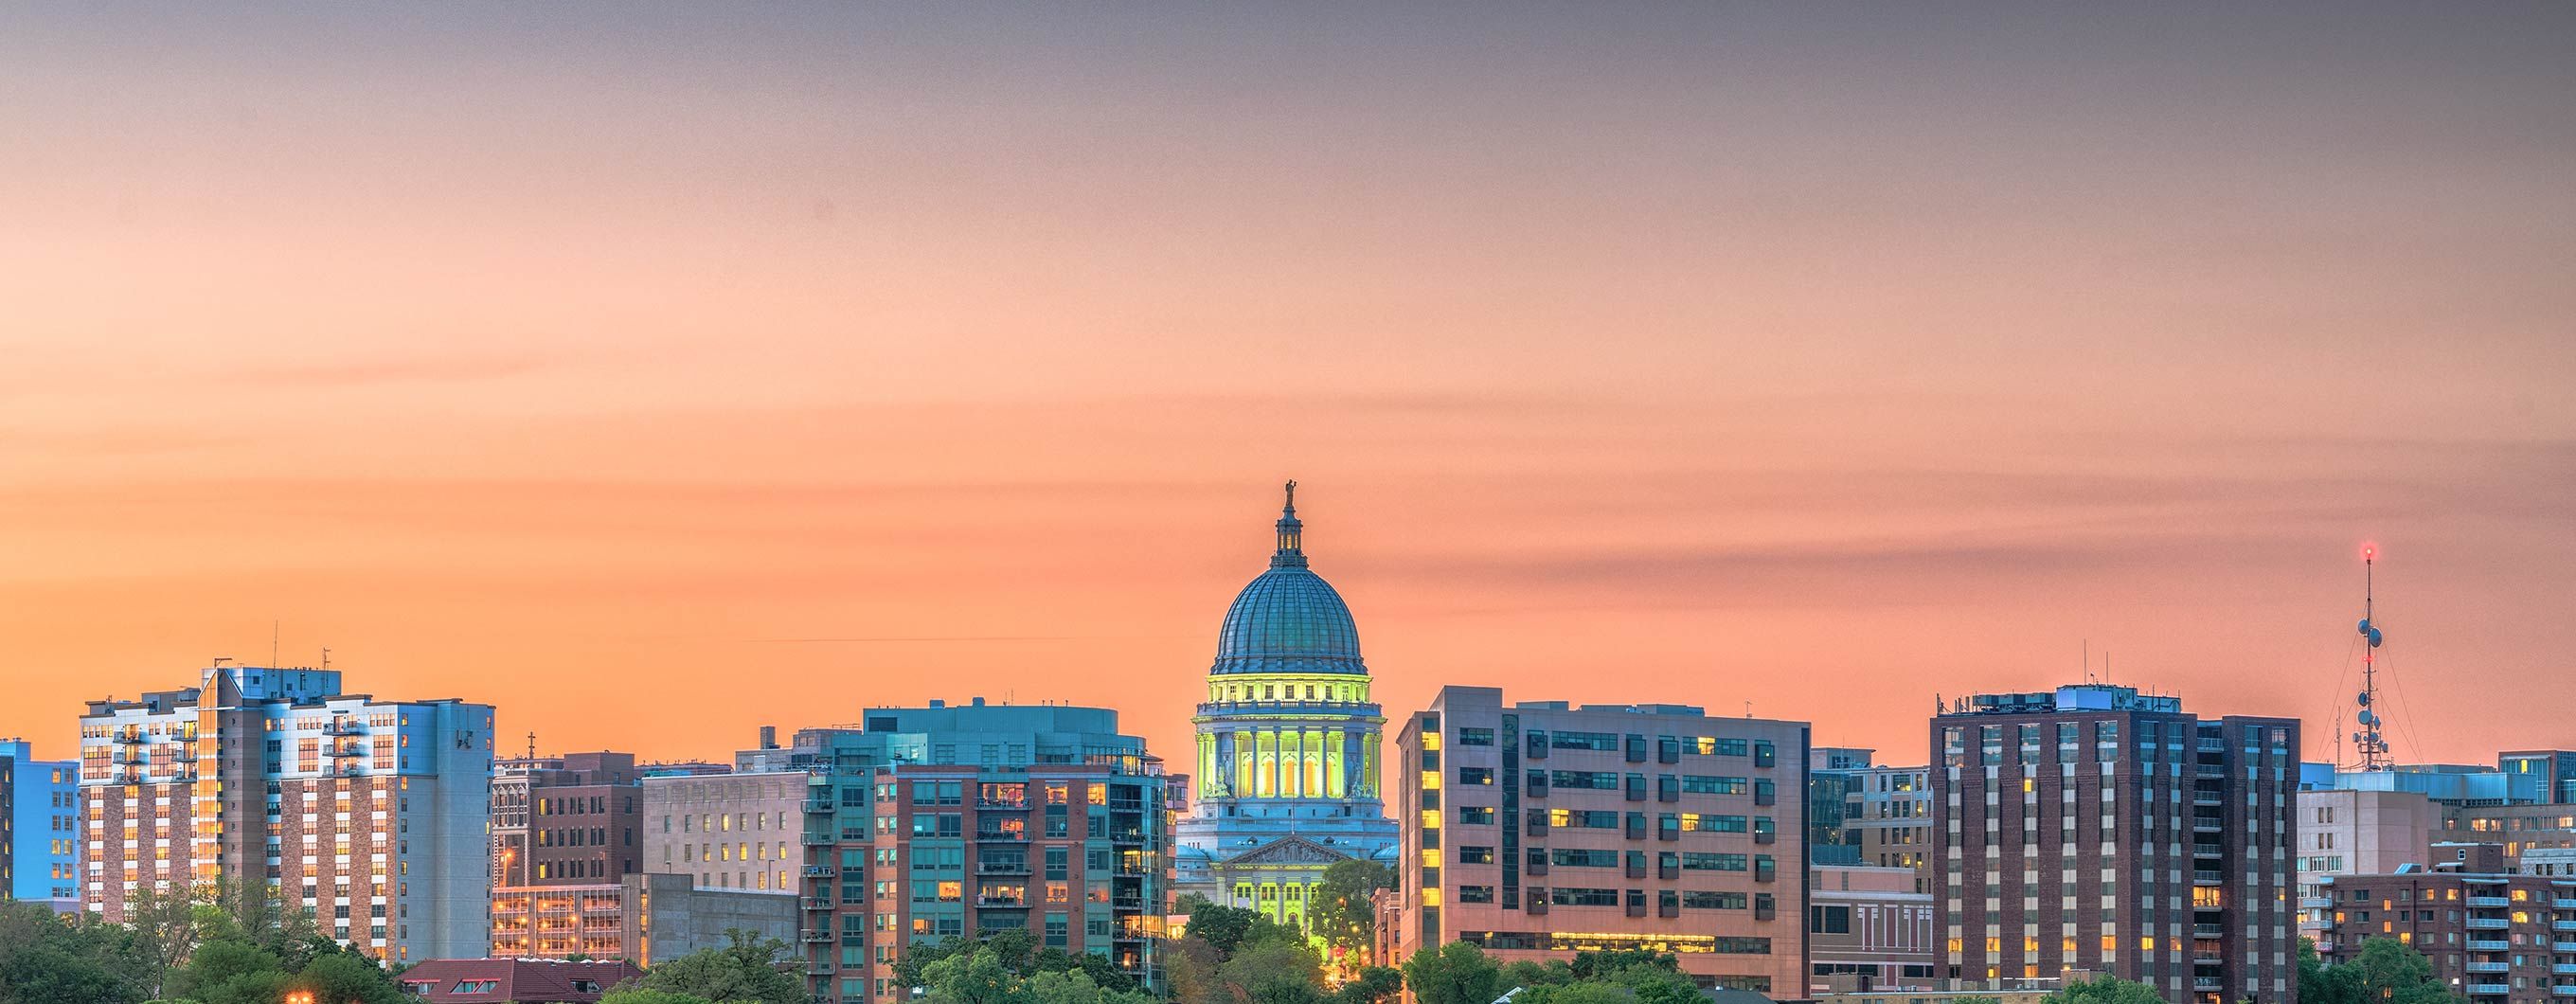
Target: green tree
(1015, 947)
(1371, 985)
(2320, 984)
(1527, 973)
(908, 967)
(1073, 986)
(973, 977)
(1277, 968)
(2390, 971)
(1189, 971)
(746, 970)
(1104, 973)
(1222, 927)
(348, 978)
(45, 959)
(1601, 964)
(2106, 989)
(167, 925)
(1455, 973)
(1341, 911)
(1651, 982)
(639, 995)
(1575, 993)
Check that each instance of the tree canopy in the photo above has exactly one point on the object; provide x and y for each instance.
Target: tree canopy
(1455, 973)
(2106, 989)
(1341, 911)
(746, 970)
(1000, 970)
(2388, 971)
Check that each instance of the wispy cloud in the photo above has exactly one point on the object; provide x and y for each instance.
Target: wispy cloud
(415, 369)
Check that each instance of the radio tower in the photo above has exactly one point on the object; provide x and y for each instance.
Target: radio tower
(2370, 741)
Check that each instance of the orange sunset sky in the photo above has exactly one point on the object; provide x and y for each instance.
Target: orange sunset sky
(655, 373)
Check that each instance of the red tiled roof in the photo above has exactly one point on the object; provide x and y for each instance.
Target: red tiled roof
(517, 981)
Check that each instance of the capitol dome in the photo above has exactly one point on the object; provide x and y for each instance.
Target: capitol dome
(1288, 620)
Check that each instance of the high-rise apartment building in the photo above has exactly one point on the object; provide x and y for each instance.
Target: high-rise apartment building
(951, 821)
(566, 820)
(2099, 829)
(370, 815)
(39, 826)
(1540, 829)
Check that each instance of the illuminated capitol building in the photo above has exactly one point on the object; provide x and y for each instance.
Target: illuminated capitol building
(1287, 775)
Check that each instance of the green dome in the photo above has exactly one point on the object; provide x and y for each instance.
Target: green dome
(1288, 620)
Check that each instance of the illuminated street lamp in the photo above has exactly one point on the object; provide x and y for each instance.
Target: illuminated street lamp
(299, 997)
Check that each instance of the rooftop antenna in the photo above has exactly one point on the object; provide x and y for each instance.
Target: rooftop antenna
(2372, 744)
(2088, 660)
(532, 744)
(272, 642)
(326, 656)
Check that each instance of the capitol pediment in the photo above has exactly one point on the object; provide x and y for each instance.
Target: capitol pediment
(1285, 851)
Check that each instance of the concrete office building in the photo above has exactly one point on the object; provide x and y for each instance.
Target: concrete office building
(2353, 832)
(40, 840)
(369, 814)
(1868, 928)
(1540, 829)
(641, 918)
(727, 831)
(958, 821)
(2100, 829)
(1888, 816)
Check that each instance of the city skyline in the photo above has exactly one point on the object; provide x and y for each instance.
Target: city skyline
(1829, 360)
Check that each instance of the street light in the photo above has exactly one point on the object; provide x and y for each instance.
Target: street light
(299, 997)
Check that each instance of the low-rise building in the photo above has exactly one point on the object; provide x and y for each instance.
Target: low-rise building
(2493, 938)
(643, 919)
(514, 981)
(1872, 925)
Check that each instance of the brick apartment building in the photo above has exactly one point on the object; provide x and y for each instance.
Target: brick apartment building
(2098, 829)
(371, 815)
(2493, 938)
(566, 820)
(959, 821)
